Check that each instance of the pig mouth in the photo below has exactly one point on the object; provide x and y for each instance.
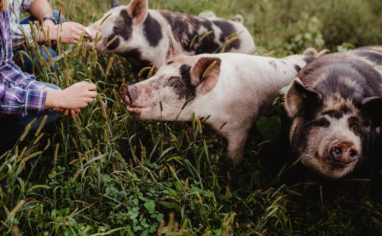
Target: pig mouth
(137, 110)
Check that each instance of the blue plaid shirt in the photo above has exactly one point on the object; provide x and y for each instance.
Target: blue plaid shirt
(18, 38)
(20, 93)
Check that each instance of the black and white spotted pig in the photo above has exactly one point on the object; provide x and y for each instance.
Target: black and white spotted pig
(335, 111)
(142, 37)
(237, 90)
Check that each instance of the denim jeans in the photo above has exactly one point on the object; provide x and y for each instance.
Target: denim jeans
(13, 126)
(28, 65)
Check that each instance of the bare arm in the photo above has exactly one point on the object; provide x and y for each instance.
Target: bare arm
(71, 31)
(41, 8)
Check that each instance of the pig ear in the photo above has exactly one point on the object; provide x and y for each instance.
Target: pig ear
(205, 74)
(137, 9)
(115, 3)
(174, 48)
(298, 97)
(373, 108)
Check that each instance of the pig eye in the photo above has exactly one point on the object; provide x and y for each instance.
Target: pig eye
(175, 82)
(322, 123)
(355, 128)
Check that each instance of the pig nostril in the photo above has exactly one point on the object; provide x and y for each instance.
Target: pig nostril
(353, 153)
(338, 150)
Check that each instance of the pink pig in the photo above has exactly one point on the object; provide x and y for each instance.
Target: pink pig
(237, 90)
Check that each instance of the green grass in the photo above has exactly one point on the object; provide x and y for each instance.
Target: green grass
(107, 173)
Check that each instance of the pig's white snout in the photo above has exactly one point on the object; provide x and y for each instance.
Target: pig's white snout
(87, 33)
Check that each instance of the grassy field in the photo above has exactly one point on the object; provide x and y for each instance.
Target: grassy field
(106, 173)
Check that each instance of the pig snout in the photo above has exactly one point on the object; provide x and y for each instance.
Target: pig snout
(344, 152)
(129, 94)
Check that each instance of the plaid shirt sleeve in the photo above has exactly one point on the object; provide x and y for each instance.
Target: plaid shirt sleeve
(18, 38)
(20, 93)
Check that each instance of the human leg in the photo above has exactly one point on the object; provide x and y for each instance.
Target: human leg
(13, 126)
(28, 64)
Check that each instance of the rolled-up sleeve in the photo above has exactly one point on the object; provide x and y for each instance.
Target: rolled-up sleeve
(20, 93)
(18, 37)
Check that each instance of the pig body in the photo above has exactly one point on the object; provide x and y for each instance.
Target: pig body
(236, 91)
(335, 112)
(142, 38)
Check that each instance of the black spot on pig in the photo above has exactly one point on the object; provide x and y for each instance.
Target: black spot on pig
(297, 67)
(122, 26)
(374, 57)
(137, 63)
(114, 44)
(227, 29)
(152, 30)
(188, 88)
(186, 27)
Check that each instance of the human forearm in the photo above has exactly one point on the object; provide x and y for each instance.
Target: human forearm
(40, 8)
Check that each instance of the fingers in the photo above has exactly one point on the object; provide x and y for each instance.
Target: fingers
(91, 87)
(92, 94)
(72, 113)
(58, 110)
(90, 100)
(79, 26)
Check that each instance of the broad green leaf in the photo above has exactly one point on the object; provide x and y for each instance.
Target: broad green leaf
(150, 205)
(270, 129)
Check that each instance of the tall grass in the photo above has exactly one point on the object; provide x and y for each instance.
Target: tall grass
(106, 173)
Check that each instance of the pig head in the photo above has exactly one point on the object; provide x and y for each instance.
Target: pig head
(334, 106)
(140, 34)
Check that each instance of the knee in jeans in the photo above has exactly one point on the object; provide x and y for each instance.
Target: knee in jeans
(55, 14)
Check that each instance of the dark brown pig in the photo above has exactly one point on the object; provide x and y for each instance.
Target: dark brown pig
(335, 111)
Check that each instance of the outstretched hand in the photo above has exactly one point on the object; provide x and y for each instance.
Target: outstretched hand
(71, 99)
(66, 112)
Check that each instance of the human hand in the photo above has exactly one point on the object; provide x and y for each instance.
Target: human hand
(70, 32)
(74, 97)
(65, 112)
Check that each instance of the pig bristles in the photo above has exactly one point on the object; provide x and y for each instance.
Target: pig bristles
(143, 70)
(209, 69)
